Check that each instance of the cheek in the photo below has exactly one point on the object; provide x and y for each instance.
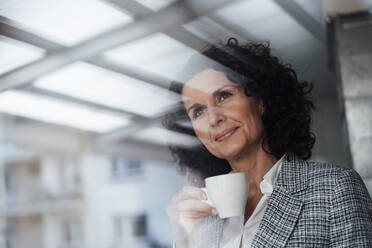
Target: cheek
(254, 124)
(201, 131)
(248, 115)
(203, 134)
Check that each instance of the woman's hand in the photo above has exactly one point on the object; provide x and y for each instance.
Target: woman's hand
(187, 209)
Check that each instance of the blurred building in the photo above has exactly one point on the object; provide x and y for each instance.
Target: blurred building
(59, 194)
(87, 201)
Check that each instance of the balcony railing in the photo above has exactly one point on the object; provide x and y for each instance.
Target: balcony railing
(38, 200)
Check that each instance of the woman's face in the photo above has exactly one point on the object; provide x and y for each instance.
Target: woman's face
(226, 121)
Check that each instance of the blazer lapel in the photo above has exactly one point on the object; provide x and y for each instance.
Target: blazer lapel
(284, 207)
(278, 221)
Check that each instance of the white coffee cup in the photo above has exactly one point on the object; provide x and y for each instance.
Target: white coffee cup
(227, 193)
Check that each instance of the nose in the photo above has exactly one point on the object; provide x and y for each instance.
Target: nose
(215, 116)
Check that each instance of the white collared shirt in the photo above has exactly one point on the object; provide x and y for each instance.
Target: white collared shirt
(235, 233)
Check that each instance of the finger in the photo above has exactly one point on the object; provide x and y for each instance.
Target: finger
(174, 214)
(194, 215)
(177, 215)
(189, 205)
(197, 214)
(188, 192)
(194, 205)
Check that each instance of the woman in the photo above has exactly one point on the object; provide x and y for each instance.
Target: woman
(252, 115)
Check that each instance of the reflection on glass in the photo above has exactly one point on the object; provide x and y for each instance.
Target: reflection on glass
(108, 88)
(59, 112)
(158, 53)
(163, 136)
(125, 169)
(67, 22)
(76, 199)
(15, 54)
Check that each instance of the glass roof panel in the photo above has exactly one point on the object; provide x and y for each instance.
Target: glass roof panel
(163, 136)
(157, 53)
(95, 84)
(59, 112)
(67, 22)
(15, 54)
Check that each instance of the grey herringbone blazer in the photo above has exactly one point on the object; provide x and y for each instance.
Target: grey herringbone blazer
(312, 205)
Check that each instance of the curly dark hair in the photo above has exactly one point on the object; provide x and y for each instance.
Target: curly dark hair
(287, 102)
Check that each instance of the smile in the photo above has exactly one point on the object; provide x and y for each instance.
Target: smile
(225, 134)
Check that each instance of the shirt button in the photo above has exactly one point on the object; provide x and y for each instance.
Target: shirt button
(266, 188)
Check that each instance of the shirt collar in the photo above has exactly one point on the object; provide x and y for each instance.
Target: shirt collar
(269, 179)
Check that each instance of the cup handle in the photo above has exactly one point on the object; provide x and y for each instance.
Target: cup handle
(208, 201)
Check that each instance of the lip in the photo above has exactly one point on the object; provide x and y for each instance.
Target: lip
(225, 134)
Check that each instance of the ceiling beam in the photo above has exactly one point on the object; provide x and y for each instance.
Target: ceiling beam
(171, 16)
(13, 30)
(139, 11)
(303, 18)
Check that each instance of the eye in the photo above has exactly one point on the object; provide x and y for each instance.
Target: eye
(197, 112)
(223, 95)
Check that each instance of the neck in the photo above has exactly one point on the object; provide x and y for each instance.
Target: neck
(255, 165)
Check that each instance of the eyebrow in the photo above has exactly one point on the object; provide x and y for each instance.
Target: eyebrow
(193, 106)
(214, 94)
(225, 86)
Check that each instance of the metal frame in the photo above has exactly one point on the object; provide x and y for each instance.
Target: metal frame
(181, 34)
(139, 11)
(12, 30)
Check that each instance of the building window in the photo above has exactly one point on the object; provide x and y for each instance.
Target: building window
(9, 178)
(128, 228)
(124, 169)
(70, 181)
(118, 228)
(71, 233)
(10, 235)
(139, 226)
